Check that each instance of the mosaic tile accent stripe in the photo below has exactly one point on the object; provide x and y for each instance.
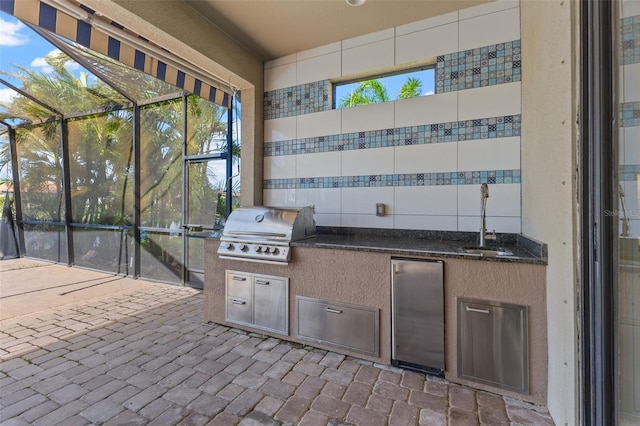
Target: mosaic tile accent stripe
(485, 128)
(630, 114)
(630, 40)
(629, 172)
(480, 67)
(297, 100)
(406, 179)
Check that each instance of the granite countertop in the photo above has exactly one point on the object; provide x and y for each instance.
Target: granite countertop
(425, 243)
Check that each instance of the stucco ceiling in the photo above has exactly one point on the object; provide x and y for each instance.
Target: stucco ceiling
(276, 28)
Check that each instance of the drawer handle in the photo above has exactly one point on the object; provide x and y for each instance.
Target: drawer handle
(239, 302)
(333, 311)
(480, 311)
(262, 282)
(237, 278)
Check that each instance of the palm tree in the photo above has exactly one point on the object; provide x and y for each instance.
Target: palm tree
(374, 91)
(367, 92)
(412, 88)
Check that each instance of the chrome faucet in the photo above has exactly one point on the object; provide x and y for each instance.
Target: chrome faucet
(484, 235)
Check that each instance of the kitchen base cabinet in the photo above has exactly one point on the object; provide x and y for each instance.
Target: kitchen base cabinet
(493, 344)
(259, 301)
(348, 326)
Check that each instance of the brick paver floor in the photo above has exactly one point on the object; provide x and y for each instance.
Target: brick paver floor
(145, 357)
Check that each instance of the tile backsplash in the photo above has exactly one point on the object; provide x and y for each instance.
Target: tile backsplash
(425, 157)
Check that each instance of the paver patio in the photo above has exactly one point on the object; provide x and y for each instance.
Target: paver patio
(140, 354)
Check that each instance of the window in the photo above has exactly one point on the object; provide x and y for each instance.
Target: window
(386, 87)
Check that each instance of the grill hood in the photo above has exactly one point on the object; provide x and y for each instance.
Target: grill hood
(264, 233)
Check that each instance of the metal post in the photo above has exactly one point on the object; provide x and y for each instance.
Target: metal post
(17, 197)
(136, 191)
(185, 193)
(229, 179)
(66, 185)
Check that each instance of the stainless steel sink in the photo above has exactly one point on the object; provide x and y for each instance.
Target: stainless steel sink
(488, 251)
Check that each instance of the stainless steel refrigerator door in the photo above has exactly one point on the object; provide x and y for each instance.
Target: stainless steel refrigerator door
(418, 312)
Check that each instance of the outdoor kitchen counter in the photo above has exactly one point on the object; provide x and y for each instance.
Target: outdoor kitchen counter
(356, 270)
(432, 244)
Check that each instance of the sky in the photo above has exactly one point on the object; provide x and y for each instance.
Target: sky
(21, 46)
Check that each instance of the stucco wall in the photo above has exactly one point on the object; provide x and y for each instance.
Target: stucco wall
(549, 190)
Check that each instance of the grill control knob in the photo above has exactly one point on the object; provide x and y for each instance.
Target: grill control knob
(267, 249)
(275, 250)
(258, 249)
(243, 247)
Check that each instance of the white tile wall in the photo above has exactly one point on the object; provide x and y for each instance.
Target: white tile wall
(428, 43)
(431, 157)
(435, 223)
(426, 200)
(279, 77)
(489, 101)
(427, 207)
(374, 56)
(367, 162)
(631, 145)
(280, 129)
(630, 8)
(489, 154)
(440, 108)
(324, 219)
(319, 68)
(325, 200)
(319, 51)
(504, 200)
(319, 124)
(363, 200)
(368, 117)
(366, 221)
(631, 83)
(499, 224)
(318, 164)
(493, 28)
(279, 167)
(279, 197)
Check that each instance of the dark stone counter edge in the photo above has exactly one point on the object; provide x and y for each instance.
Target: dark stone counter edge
(425, 243)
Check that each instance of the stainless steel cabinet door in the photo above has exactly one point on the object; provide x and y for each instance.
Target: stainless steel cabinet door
(493, 344)
(239, 310)
(418, 312)
(271, 303)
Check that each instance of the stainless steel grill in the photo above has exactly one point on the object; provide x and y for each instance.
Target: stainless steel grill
(264, 234)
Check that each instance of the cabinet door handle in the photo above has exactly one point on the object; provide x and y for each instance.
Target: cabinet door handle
(239, 302)
(262, 282)
(238, 278)
(333, 311)
(480, 311)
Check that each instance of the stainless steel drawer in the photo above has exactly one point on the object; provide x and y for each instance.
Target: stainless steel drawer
(348, 326)
(239, 285)
(239, 310)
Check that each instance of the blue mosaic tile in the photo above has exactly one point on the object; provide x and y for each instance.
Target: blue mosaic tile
(630, 40)
(630, 114)
(411, 179)
(297, 100)
(457, 131)
(480, 67)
